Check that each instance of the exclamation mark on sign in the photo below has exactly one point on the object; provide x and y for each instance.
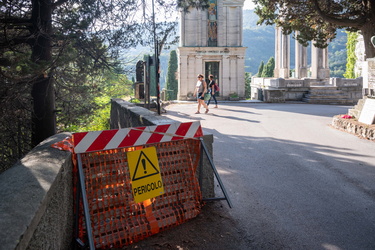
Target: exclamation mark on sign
(144, 166)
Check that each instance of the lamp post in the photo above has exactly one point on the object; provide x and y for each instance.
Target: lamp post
(156, 57)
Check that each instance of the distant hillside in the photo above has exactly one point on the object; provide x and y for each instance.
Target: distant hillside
(259, 40)
(260, 43)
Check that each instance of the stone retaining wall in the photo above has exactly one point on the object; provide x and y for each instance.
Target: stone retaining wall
(36, 208)
(354, 127)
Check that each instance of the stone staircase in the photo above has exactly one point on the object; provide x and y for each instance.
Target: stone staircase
(329, 95)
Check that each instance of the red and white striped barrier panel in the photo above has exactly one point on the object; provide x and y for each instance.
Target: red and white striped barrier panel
(128, 137)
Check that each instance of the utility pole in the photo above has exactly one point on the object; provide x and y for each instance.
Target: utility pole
(156, 63)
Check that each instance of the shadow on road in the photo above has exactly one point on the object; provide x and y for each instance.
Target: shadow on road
(234, 118)
(310, 109)
(294, 187)
(291, 194)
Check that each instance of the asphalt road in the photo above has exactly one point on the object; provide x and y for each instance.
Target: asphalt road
(295, 182)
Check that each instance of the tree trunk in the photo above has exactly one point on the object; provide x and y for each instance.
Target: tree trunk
(43, 120)
(368, 30)
(43, 116)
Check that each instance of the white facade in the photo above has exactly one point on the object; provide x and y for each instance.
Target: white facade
(211, 43)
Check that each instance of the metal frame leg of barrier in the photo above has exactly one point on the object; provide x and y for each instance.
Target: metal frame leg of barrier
(76, 218)
(201, 167)
(226, 197)
(85, 202)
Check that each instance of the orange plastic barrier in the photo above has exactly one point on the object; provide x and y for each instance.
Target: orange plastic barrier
(116, 220)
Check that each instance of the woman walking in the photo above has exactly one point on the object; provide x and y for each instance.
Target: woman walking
(212, 89)
(200, 90)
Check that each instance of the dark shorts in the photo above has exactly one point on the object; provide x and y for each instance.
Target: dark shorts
(200, 96)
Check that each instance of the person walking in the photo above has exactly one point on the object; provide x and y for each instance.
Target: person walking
(200, 90)
(212, 87)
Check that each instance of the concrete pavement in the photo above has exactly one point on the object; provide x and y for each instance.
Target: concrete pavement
(295, 182)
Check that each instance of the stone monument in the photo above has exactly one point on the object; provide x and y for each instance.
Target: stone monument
(364, 111)
(211, 43)
(370, 74)
(311, 84)
(367, 114)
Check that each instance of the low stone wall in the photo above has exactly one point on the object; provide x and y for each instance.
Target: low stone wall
(273, 96)
(125, 114)
(354, 127)
(36, 208)
(290, 89)
(279, 90)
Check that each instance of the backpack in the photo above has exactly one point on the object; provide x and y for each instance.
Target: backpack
(216, 88)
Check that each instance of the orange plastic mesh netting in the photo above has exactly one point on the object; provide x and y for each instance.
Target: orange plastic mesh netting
(116, 219)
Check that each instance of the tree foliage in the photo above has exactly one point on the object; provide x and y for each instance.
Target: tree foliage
(39, 37)
(269, 68)
(260, 69)
(351, 57)
(172, 83)
(56, 57)
(318, 20)
(86, 105)
(247, 85)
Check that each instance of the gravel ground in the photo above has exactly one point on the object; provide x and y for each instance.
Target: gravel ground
(213, 228)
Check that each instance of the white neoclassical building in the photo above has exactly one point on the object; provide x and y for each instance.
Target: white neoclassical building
(211, 43)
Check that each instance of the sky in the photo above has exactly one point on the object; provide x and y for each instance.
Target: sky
(248, 5)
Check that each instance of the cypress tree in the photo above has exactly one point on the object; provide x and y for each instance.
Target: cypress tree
(269, 68)
(171, 82)
(260, 69)
(247, 85)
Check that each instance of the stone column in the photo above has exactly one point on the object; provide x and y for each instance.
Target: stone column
(233, 77)
(241, 75)
(192, 71)
(224, 86)
(277, 53)
(182, 29)
(241, 25)
(182, 77)
(203, 33)
(319, 63)
(300, 60)
(221, 22)
(238, 27)
(282, 54)
(199, 66)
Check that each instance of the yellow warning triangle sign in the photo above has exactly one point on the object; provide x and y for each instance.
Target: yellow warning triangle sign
(144, 167)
